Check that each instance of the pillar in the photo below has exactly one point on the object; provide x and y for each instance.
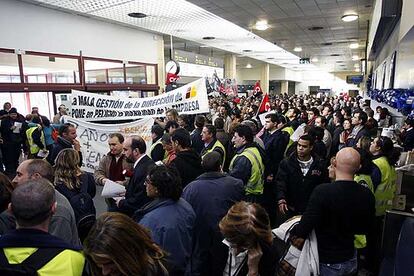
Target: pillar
(230, 67)
(284, 87)
(161, 63)
(264, 78)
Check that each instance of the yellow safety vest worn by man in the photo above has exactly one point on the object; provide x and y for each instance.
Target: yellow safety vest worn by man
(384, 193)
(217, 146)
(48, 254)
(35, 142)
(156, 150)
(254, 165)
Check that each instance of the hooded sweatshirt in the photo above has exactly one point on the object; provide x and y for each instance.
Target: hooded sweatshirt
(188, 164)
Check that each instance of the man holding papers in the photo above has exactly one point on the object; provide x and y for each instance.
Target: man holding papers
(135, 196)
(112, 166)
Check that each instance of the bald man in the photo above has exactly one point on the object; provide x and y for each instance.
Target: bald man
(338, 211)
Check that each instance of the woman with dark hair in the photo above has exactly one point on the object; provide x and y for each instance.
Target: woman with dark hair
(345, 133)
(169, 218)
(77, 187)
(384, 177)
(246, 228)
(116, 245)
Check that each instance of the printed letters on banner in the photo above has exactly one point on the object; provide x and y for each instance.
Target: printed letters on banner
(188, 99)
(94, 138)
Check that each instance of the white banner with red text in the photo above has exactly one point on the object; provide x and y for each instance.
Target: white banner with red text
(93, 137)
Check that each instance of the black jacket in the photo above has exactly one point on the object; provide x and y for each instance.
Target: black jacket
(196, 143)
(58, 146)
(295, 188)
(136, 195)
(408, 140)
(335, 140)
(275, 146)
(337, 211)
(188, 164)
(351, 142)
(157, 153)
(211, 195)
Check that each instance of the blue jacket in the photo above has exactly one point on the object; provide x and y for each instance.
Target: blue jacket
(211, 195)
(171, 225)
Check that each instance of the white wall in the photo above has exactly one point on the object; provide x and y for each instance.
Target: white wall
(402, 41)
(29, 27)
(324, 80)
(244, 74)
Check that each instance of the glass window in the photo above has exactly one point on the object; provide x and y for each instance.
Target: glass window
(151, 74)
(135, 74)
(50, 69)
(116, 75)
(9, 68)
(101, 72)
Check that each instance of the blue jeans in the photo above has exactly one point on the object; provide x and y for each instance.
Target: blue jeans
(340, 269)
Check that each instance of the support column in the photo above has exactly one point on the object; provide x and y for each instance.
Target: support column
(161, 64)
(230, 67)
(264, 78)
(284, 87)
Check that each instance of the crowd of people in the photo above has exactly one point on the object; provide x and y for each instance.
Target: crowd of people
(204, 198)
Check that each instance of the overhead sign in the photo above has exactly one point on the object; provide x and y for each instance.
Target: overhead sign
(188, 99)
(189, 57)
(94, 138)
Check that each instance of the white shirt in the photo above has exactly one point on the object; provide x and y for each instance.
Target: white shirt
(136, 162)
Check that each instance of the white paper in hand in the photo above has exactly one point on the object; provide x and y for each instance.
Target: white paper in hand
(112, 189)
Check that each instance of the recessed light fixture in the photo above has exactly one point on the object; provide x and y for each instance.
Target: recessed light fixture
(315, 28)
(298, 49)
(349, 17)
(248, 66)
(261, 25)
(209, 38)
(335, 55)
(354, 45)
(355, 57)
(204, 46)
(137, 15)
(315, 59)
(326, 44)
(270, 58)
(247, 50)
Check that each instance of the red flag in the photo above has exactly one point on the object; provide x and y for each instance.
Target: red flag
(171, 78)
(265, 105)
(257, 88)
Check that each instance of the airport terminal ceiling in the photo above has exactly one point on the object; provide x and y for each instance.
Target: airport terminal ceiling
(277, 32)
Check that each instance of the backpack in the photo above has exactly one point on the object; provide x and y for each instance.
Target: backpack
(30, 265)
(83, 207)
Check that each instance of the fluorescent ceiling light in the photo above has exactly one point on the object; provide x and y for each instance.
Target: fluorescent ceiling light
(261, 25)
(204, 46)
(248, 66)
(315, 59)
(355, 57)
(357, 70)
(298, 49)
(354, 45)
(349, 17)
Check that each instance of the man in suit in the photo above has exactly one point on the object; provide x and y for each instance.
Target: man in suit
(407, 135)
(359, 119)
(135, 196)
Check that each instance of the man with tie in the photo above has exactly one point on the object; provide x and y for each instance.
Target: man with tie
(135, 195)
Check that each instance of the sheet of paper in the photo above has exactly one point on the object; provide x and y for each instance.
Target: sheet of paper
(18, 126)
(112, 189)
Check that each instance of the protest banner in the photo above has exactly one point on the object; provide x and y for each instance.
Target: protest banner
(94, 138)
(188, 99)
